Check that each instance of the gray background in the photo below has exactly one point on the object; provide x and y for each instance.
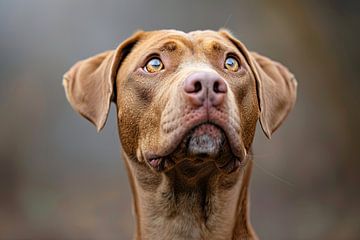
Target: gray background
(59, 179)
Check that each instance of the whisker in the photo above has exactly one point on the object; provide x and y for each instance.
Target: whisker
(264, 155)
(269, 173)
(227, 20)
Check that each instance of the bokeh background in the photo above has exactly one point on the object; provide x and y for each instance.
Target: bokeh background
(59, 179)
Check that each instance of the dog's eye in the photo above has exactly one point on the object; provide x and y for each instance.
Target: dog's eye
(154, 65)
(231, 64)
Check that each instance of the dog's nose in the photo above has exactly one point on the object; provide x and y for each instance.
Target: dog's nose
(205, 88)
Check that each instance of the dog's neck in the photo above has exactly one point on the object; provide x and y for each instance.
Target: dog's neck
(185, 203)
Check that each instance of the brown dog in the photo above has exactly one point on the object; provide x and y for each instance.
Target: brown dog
(187, 106)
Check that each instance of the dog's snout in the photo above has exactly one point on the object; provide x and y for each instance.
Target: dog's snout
(205, 88)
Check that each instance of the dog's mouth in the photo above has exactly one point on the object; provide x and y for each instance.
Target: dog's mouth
(202, 143)
(205, 141)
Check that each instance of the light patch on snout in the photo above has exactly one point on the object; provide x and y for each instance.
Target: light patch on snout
(206, 140)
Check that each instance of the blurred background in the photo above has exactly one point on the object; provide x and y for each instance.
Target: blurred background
(59, 179)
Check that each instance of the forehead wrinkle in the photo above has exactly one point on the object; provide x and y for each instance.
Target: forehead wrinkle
(211, 41)
(169, 46)
(213, 45)
(164, 42)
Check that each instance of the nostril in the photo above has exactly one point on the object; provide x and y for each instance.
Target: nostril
(219, 87)
(197, 86)
(192, 85)
(216, 87)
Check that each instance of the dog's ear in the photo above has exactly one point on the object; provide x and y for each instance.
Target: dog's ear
(276, 87)
(89, 84)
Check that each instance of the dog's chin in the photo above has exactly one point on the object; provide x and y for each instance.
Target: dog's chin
(203, 144)
(205, 141)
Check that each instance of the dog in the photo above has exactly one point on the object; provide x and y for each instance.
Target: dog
(187, 107)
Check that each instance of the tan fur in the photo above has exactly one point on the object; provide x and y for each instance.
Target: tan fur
(190, 197)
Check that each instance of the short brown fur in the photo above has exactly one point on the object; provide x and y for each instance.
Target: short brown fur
(186, 196)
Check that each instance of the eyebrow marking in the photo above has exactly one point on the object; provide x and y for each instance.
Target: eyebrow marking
(170, 46)
(217, 47)
(171, 40)
(214, 46)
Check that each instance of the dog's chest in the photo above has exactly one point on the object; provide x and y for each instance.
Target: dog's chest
(181, 227)
(186, 215)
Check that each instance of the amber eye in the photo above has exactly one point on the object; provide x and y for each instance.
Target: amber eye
(231, 64)
(154, 65)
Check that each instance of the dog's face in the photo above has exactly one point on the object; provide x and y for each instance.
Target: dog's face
(193, 97)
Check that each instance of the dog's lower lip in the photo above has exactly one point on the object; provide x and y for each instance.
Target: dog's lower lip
(185, 137)
(204, 140)
(173, 150)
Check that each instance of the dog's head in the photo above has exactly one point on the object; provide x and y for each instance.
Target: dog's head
(183, 96)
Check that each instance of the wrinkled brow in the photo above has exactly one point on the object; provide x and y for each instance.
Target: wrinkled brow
(169, 46)
(216, 46)
(171, 43)
(213, 46)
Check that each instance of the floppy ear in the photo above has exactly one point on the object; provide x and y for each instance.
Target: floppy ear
(276, 87)
(89, 84)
